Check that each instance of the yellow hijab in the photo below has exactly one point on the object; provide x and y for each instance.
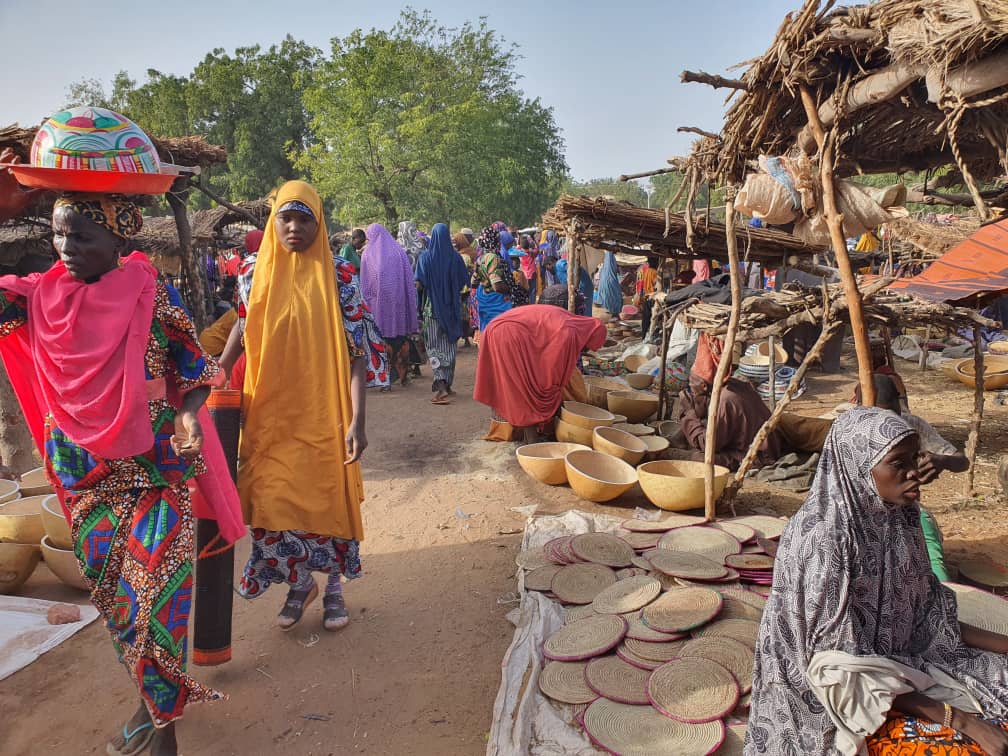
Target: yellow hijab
(296, 397)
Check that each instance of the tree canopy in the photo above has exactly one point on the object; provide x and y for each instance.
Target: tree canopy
(427, 122)
(423, 122)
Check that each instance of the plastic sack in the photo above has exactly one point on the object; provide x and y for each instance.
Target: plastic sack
(763, 197)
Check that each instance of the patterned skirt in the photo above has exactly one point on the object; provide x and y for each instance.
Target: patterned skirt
(909, 736)
(134, 548)
(288, 556)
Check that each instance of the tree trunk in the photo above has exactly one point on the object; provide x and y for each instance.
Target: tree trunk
(15, 440)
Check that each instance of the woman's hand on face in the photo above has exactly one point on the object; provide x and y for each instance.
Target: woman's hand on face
(356, 443)
(928, 468)
(188, 439)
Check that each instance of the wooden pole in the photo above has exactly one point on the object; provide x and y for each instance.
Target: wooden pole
(724, 366)
(667, 324)
(973, 439)
(835, 222)
(922, 363)
(573, 269)
(192, 270)
(772, 344)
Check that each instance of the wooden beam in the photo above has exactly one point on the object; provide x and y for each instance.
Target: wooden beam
(645, 174)
(712, 80)
(192, 271)
(573, 268)
(724, 366)
(835, 222)
(973, 439)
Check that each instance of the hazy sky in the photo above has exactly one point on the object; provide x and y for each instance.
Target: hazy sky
(610, 70)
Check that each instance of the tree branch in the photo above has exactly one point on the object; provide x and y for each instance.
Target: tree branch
(701, 132)
(718, 82)
(224, 203)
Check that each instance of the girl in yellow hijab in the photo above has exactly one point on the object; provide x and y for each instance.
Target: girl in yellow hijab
(312, 348)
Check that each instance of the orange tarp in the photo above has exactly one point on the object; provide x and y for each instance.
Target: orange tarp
(977, 265)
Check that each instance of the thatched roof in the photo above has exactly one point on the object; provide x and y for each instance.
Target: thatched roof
(918, 240)
(24, 239)
(188, 150)
(910, 78)
(623, 227)
(210, 229)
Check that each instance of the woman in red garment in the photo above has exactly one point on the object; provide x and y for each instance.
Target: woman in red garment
(528, 365)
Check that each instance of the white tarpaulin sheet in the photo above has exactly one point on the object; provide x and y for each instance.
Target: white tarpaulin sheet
(525, 721)
(25, 633)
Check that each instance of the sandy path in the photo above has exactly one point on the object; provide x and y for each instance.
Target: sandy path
(418, 668)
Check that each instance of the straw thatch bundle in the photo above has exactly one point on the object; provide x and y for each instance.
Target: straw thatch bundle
(623, 227)
(919, 241)
(904, 81)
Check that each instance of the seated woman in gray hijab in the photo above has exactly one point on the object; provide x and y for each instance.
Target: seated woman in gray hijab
(860, 650)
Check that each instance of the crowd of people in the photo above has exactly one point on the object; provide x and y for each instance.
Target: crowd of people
(859, 649)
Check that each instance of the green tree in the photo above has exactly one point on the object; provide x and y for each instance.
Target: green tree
(427, 122)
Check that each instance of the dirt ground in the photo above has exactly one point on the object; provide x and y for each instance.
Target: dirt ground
(417, 670)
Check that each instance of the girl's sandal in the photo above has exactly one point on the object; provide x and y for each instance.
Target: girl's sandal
(133, 742)
(334, 616)
(293, 608)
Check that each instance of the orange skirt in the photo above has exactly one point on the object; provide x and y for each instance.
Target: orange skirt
(909, 736)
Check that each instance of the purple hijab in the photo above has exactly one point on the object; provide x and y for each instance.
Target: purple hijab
(386, 277)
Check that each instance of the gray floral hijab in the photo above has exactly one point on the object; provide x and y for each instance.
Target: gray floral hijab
(852, 575)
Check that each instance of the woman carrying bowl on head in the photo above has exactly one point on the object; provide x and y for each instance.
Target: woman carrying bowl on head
(107, 367)
(312, 348)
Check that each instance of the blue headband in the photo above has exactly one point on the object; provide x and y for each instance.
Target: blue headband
(297, 206)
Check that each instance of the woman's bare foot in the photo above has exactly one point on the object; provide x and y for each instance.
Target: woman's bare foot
(163, 743)
(134, 735)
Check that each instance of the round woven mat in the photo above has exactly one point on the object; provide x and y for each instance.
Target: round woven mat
(743, 595)
(715, 584)
(668, 583)
(707, 542)
(670, 522)
(629, 572)
(586, 638)
(565, 682)
(728, 652)
(618, 680)
(637, 630)
(663, 652)
(764, 525)
(981, 609)
(542, 578)
(742, 630)
(602, 548)
(682, 610)
(644, 564)
(554, 551)
(631, 658)
(686, 564)
(627, 595)
(532, 559)
(580, 583)
(642, 731)
(740, 530)
(985, 572)
(734, 740)
(693, 690)
(736, 608)
(578, 612)
(749, 562)
(769, 547)
(640, 541)
(761, 590)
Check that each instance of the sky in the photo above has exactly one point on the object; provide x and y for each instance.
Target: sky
(610, 70)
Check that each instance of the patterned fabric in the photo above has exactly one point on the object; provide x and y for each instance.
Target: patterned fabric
(908, 736)
(132, 523)
(409, 239)
(852, 575)
(13, 312)
(296, 206)
(289, 556)
(489, 271)
(441, 351)
(115, 212)
(363, 337)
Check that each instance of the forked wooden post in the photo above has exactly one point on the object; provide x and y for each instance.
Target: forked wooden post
(573, 269)
(835, 222)
(663, 398)
(973, 439)
(724, 366)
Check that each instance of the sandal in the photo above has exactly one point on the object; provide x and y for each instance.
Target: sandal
(293, 608)
(334, 616)
(135, 741)
(440, 400)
